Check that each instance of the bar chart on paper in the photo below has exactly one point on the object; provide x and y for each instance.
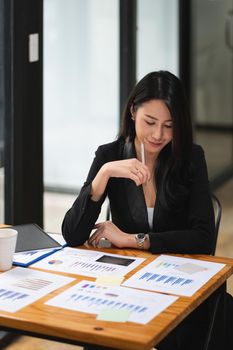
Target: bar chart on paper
(21, 287)
(165, 279)
(92, 267)
(89, 297)
(88, 263)
(174, 275)
(11, 294)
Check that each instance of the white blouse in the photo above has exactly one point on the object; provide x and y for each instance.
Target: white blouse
(150, 212)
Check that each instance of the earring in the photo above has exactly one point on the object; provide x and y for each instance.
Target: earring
(133, 118)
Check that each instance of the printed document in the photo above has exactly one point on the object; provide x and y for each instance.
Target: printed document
(174, 275)
(88, 262)
(89, 297)
(21, 287)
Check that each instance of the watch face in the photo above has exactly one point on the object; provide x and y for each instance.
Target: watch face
(141, 235)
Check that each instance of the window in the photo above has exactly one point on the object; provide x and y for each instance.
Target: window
(80, 86)
(157, 36)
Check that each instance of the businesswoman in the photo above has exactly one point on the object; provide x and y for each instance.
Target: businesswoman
(156, 180)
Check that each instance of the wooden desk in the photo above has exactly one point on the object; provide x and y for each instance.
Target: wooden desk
(49, 322)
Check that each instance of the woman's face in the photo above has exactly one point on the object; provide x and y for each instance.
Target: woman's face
(153, 125)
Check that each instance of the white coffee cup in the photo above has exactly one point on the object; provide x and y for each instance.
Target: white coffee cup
(8, 237)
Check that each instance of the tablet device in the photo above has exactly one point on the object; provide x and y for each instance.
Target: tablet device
(33, 237)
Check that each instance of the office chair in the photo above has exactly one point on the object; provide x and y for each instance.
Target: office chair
(108, 212)
(217, 218)
(214, 315)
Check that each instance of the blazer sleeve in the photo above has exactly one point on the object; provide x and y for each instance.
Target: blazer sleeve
(81, 217)
(198, 237)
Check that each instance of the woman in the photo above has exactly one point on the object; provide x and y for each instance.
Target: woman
(162, 194)
(157, 184)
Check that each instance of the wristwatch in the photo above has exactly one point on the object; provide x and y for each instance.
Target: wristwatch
(140, 239)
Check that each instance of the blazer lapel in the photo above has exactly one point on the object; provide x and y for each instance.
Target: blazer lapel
(135, 195)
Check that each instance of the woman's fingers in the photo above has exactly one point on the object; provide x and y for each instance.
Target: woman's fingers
(140, 175)
(111, 232)
(93, 238)
(130, 168)
(98, 234)
(141, 170)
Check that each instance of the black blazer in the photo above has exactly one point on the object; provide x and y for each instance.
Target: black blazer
(188, 229)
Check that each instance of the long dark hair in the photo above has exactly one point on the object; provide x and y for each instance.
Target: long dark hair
(171, 173)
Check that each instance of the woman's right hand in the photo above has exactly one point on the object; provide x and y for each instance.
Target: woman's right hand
(128, 168)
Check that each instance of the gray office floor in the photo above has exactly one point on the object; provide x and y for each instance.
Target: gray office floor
(55, 208)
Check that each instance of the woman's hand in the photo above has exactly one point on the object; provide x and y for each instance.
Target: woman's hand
(113, 234)
(128, 168)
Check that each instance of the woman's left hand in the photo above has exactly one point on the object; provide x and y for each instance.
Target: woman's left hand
(112, 233)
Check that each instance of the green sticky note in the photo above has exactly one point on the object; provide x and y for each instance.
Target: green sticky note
(113, 315)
